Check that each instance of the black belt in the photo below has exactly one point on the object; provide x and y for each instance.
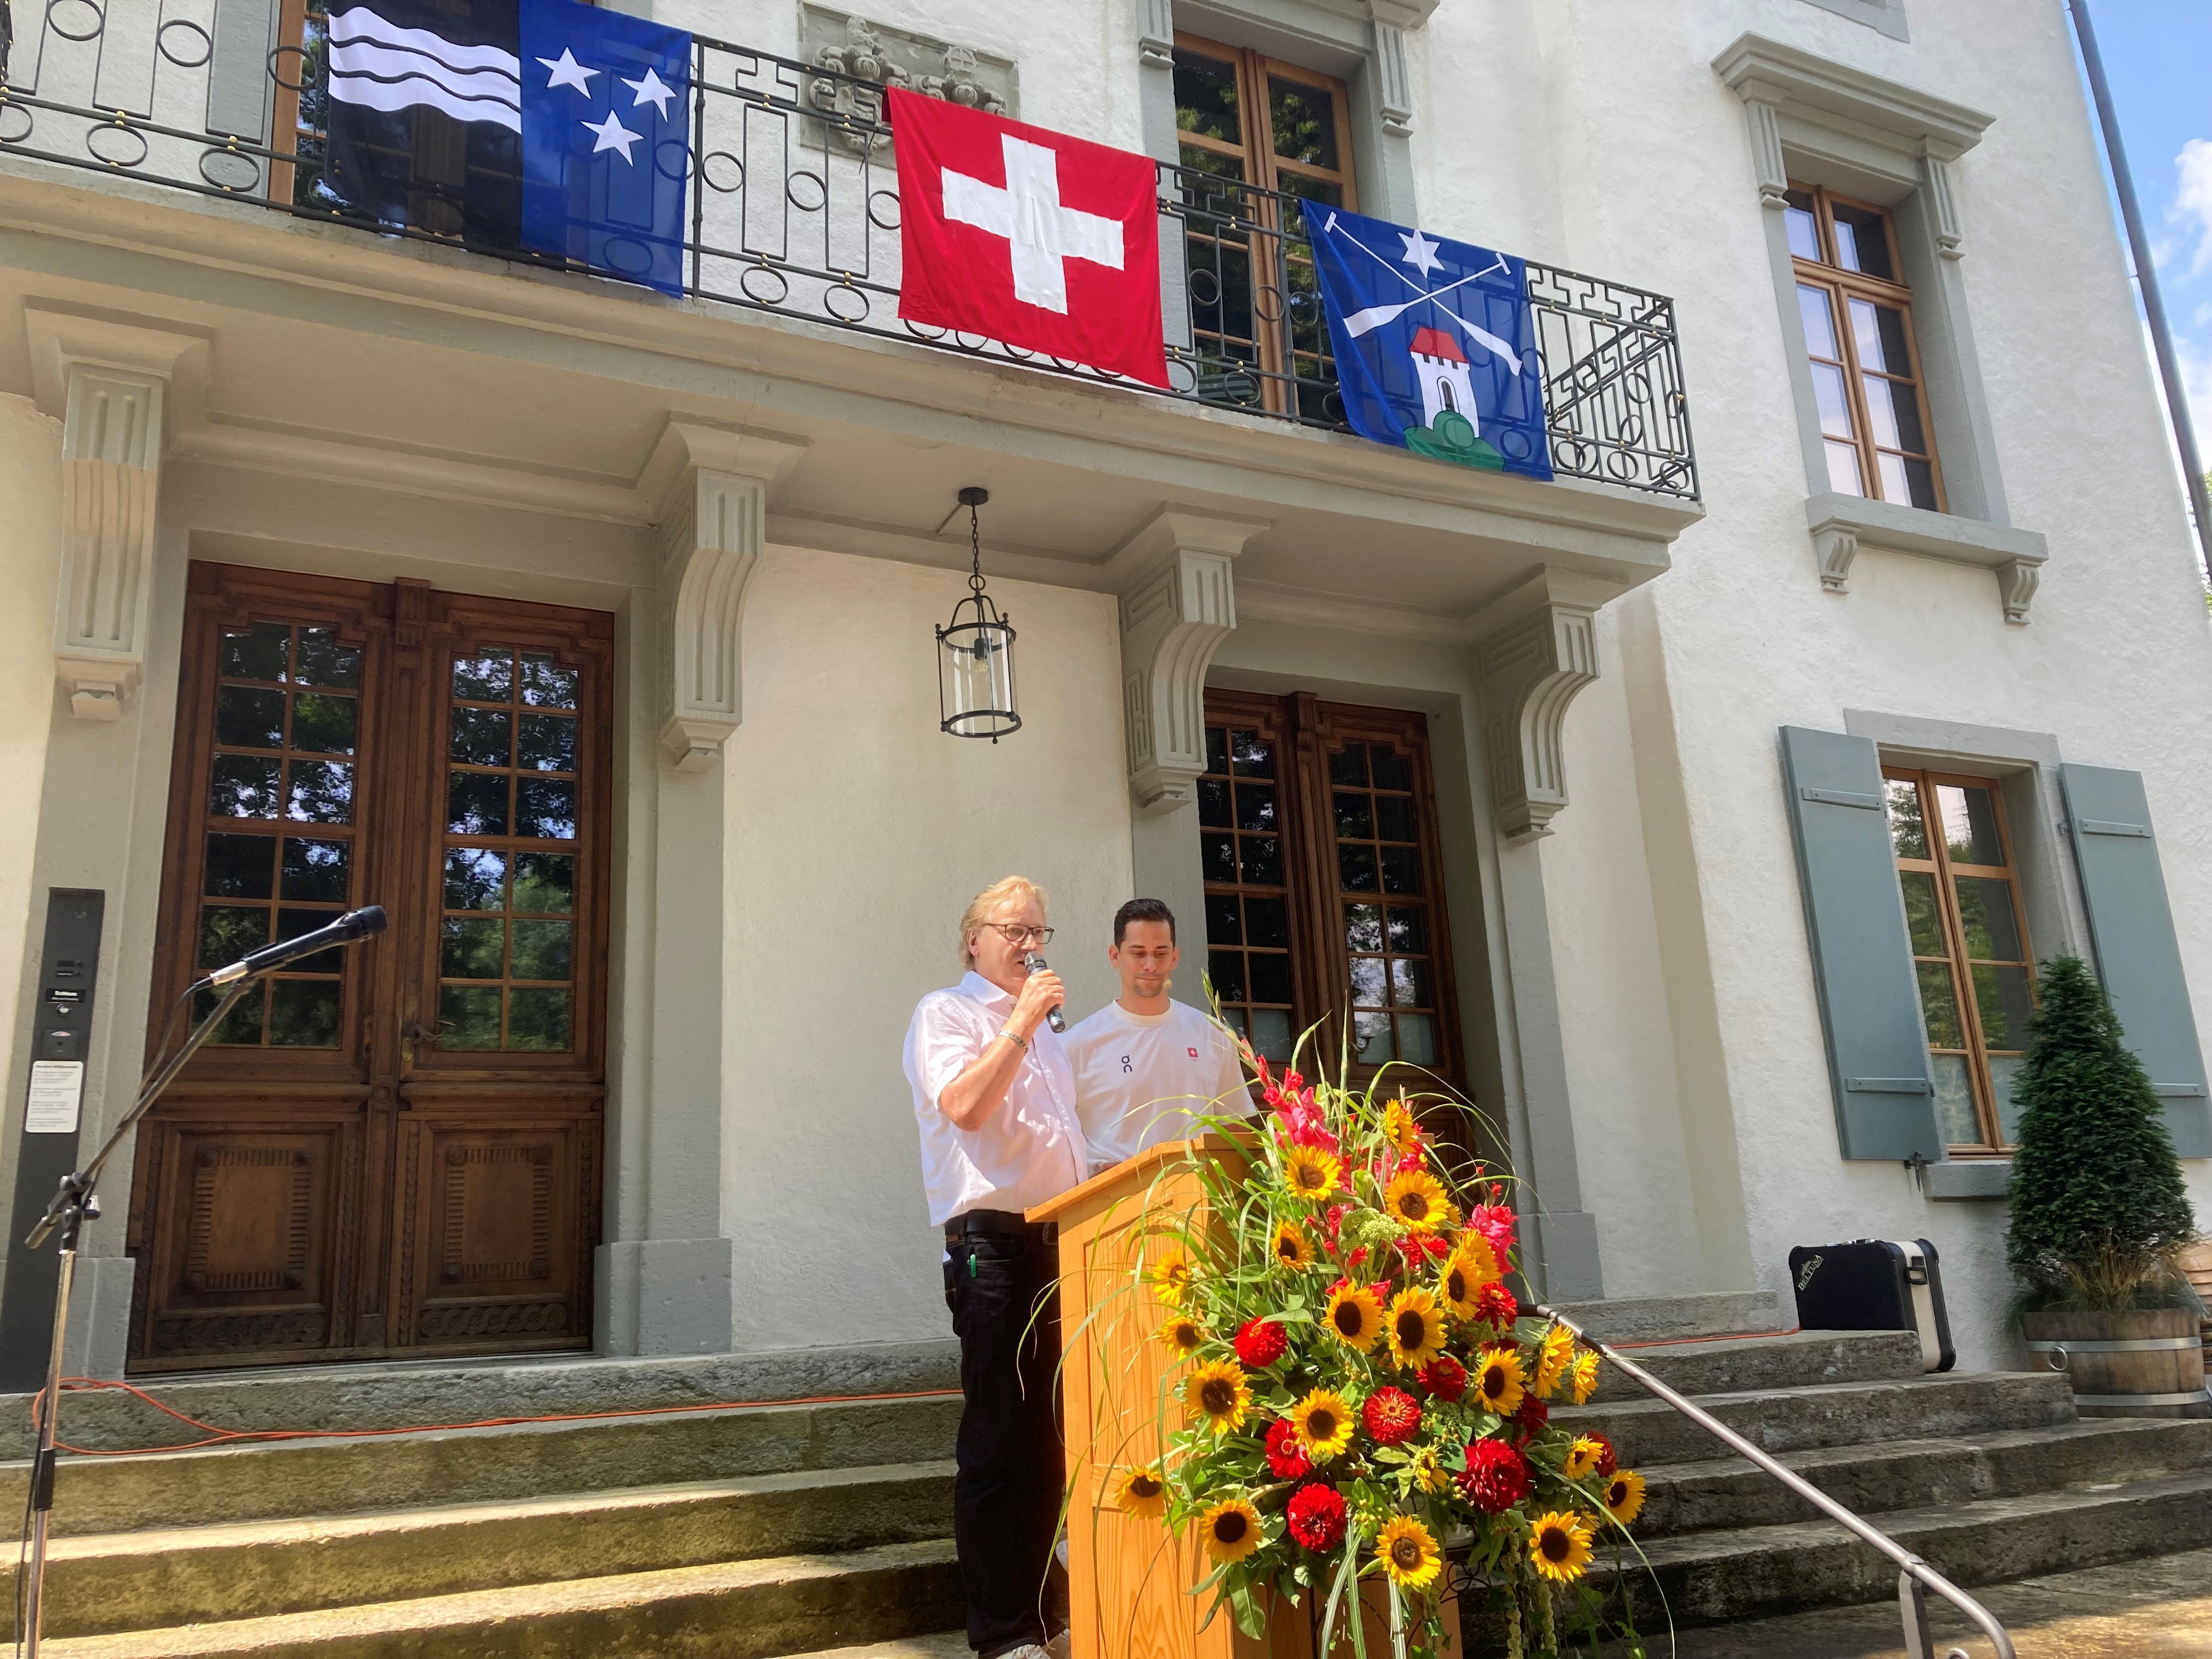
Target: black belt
(1009, 1222)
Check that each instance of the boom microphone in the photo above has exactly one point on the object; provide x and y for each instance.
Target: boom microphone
(353, 925)
(1036, 964)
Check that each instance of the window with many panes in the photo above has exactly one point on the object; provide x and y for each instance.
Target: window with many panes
(1323, 888)
(1970, 948)
(1249, 125)
(1858, 314)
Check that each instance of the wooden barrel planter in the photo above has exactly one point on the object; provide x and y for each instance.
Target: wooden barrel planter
(2150, 1362)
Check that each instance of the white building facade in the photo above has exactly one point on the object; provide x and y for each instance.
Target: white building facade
(1701, 814)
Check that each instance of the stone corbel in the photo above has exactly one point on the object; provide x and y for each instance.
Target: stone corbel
(1942, 205)
(1178, 602)
(2016, 584)
(1531, 667)
(1155, 33)
(110, 383)
(1394, 83)
(1835, 545)
(713, 486)
(1766, 157)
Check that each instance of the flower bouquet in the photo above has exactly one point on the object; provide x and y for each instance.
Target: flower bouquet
(1358, 1394)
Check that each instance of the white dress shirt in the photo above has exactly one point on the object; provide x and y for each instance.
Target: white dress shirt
(1030, 1148)
(1141, 1079)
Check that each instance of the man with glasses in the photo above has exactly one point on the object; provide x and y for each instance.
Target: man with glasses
(996, 1102)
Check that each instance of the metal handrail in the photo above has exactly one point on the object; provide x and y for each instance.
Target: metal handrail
(1914, 1575)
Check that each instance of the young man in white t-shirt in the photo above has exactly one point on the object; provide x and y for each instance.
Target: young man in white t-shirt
(1146, 1068)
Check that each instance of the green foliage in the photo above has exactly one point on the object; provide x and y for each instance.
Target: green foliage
(2098, 1205)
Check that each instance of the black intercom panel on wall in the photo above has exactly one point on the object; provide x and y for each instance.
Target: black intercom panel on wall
(48, 1103)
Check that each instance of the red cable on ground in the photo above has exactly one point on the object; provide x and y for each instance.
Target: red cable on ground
(217, 1437)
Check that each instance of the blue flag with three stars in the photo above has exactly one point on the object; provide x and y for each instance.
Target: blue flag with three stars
(1435, 343)
(543, 124)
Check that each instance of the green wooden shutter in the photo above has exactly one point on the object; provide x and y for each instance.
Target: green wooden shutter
(1862, 957)
(2138, 958)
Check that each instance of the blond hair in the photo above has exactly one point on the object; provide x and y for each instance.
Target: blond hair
(980, 907)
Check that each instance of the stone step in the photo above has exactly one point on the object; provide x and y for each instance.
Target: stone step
(1709, 1578)
(1660, 1318)
(1647, 1432)
(1740, 1365)
(416, 1394)
(734, 1610)
(278, 1480)
(155, 1579)
(1914, 1473)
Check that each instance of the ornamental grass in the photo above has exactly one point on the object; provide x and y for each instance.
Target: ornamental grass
(1366, 1402)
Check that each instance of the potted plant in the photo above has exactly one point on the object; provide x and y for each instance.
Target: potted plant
(2100, 1215)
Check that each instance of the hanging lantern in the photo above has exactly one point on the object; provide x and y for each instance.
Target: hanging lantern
(975, 652)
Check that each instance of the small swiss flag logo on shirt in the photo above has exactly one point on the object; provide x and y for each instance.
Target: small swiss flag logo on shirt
(1193, 1053)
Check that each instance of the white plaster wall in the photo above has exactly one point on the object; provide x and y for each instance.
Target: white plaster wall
(858, 833)
(30, 548)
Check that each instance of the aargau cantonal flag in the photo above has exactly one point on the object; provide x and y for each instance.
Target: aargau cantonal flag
(1027, 237)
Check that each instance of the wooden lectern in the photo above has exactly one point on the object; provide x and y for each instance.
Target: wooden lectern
(1129, 1579)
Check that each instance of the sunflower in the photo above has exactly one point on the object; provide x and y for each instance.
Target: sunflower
(1584, 1458)
(1410, 1554)
(1141, 1493)
(1171, 1278)
(1399, 1129)
(1323, 1425)
(1469, 1267)
(1355, 1315)
(1560, 1546)
(1311, 1173)
(1582, 1376)
(1216, 1392)
(1553, 1355)
(1498, 1381)
(1182, 1334)
(1429, 1472)
(1624, 1496)
(1416, 1201)
(1292, 1248)
(1415, 1328)
(1232, 1531)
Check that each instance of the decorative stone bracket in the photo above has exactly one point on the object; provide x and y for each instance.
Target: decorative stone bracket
(1178, 603)
(714, 485)
(109, 381)
(1530, 670)
(1840, 524)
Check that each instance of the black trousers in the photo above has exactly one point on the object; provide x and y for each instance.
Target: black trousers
(1006, 1494)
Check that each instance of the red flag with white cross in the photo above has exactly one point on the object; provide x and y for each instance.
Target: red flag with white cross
(1027, 237)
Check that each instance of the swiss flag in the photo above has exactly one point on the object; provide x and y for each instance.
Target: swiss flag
(1027, 237)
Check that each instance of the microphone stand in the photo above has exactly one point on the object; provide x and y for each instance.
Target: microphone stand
(73, 1205)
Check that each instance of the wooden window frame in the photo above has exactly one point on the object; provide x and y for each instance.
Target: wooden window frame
(1261, 168)
(1841, 286)
(1303, 730)
(1945, 869)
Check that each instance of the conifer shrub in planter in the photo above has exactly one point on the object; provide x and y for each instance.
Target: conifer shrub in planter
(2100, 1215)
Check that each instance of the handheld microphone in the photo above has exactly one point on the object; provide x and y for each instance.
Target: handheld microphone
(1036, 964)
(353, 925)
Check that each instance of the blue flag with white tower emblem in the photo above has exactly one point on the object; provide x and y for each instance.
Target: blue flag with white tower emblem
(1434, 343)
(543, 124)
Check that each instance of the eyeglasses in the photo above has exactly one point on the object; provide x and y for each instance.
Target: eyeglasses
(1014, 933)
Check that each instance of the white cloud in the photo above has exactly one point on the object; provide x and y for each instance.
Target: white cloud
(2192, 200)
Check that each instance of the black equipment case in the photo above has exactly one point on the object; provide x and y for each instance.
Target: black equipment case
(1875, 1284)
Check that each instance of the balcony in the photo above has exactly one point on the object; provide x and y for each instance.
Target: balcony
(795, 211)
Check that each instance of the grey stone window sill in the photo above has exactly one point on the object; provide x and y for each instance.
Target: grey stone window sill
(1841, 525)
(1969, 1178)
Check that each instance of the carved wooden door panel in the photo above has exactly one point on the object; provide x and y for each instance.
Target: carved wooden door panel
(362, 1162)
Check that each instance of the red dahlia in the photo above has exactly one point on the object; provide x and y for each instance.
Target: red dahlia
(1608, 1464)
(1392, 1415)
(1494, 1306)
(1444, 1377)
(1285, 1456)
(1261, 1343)
(1533, 1415)
(1496, 1476)
(1316, 1516)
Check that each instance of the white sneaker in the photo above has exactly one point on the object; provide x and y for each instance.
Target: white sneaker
(1031, 1650)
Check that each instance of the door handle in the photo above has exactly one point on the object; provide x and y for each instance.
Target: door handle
(413, 1032)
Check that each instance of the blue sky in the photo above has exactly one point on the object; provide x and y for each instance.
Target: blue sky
(2158, 56)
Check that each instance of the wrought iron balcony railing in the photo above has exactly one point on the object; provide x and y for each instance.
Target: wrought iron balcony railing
(795, 210)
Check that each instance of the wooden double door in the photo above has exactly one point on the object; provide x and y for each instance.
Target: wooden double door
(393, 1150)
